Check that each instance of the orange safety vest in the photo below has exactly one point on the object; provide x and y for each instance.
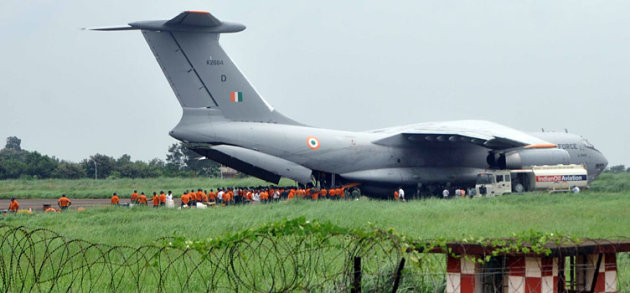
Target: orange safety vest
(63, 202)
(115, 199)
(14, 205)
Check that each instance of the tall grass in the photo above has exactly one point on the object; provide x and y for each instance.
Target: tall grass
(612, 182)
(584, 215)
(592, 215)
(103, 188)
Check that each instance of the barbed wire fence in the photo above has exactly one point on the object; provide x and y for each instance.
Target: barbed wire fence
(40, 260)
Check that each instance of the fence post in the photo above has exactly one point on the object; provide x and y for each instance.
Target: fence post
(398, 275)
(356, 280)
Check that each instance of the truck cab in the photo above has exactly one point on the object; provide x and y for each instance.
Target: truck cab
(493, 182)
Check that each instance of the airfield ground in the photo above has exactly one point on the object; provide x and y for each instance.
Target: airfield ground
(591, 215)
(585, 215)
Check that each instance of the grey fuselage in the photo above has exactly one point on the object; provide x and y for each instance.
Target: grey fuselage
(356, 158)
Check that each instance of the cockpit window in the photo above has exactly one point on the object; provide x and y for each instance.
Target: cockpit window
(587, 144)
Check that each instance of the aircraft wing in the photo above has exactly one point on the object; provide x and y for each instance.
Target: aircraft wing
(483, 133)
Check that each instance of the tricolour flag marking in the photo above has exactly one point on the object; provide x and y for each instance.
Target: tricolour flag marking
(236, 97)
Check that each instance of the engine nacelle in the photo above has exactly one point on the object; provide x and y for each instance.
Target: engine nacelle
(518, 159)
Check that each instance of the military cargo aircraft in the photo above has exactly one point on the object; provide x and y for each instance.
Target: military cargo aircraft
(226, 120)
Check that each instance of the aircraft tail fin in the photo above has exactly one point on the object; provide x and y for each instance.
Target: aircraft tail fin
(199, 71)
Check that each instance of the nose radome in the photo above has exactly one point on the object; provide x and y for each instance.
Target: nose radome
(603, 161)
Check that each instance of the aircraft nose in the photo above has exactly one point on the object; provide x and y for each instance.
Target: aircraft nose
(603, 161)
(600, 162)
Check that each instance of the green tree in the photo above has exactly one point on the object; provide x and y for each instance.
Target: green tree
(13, 143)
(175, 158)
(39, 165)
(69, 170)
(181, 160)
(104, 166)
(617, 169)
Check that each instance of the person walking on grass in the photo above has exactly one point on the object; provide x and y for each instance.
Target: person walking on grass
(134, 197)
(162, 198)
(142, 199)
(156, 200)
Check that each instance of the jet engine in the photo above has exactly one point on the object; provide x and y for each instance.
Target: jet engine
(520, 158)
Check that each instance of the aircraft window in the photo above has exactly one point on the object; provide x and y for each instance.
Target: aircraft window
(587, 144)
(499, 178)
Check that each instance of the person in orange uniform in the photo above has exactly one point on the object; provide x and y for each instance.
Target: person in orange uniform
(156, 200)
(226, 198)
(162, 198)
(323, 193)
(396, 195)
(291, 194)
(134, 197)
(212, 197)
(185, 199)
(332, 193)
(249, 195)
(264, 196)
(204, 196)
(199, 195)
(64, 203)
(314, 193)
(14, 205)
(115, 199)
(191, 198)
(142, 199)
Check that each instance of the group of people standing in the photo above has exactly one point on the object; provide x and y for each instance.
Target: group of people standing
(239, 195)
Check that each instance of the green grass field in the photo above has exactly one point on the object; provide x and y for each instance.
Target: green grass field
(584, 215)
(90, 188)
(589, 215)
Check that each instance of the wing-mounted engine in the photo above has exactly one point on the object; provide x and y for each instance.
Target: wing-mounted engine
(528, 156)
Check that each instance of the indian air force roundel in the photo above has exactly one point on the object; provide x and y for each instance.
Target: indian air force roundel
(312, 142)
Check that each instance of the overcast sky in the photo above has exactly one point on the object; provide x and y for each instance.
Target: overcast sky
(349, 65)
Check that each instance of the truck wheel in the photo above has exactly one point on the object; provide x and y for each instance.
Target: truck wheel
(519, 188)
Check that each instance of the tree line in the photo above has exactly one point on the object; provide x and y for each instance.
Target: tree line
(16, 162)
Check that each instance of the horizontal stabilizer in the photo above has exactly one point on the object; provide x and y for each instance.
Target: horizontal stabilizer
(114, 28)
(190, 21)
(196, 18)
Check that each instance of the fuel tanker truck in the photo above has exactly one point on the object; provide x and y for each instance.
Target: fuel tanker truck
(554, 178)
